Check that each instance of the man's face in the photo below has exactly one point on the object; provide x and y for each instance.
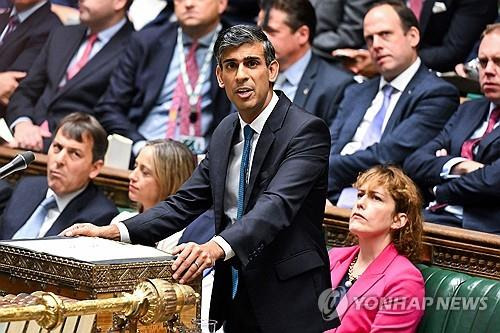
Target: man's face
(489, 69)
(247, 79)
(22, 5)
(391, 49)
(69, 164)
(199, 14)
(287, 43)
(98, 12)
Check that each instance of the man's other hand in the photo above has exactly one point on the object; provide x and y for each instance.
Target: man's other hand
(87, 229)
(29, 136)
(9, 81)
(193, 258)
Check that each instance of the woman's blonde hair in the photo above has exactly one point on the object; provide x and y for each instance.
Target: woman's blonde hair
(408, 239)
(173, 164)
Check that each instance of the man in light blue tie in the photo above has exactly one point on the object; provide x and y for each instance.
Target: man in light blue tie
(385, 119)
(265, 174)
(44, 206)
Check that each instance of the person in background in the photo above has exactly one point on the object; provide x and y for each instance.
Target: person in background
(164, 86)
(340, 25)
(161, 167)
(44, 206)
(387, 224)
(385, 119)
(460, 168)
(265, 174)
(305, 78)
(23, 32)
(71, 72)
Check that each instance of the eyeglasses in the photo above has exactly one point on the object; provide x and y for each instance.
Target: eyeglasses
(483, 62)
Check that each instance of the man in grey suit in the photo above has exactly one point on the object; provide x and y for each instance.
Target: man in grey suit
(305, 78)
(265, 175)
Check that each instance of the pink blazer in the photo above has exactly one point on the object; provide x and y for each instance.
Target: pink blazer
(387, 297)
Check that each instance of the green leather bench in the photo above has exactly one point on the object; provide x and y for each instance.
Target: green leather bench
(473, 302)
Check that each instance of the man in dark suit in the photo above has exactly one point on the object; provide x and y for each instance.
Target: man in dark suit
(153, 94)
(461, 166)
(450, 28)
(71, 72)
(67, 194)
(23, 31)
(304, 77)
(385, 119)
(265, 175)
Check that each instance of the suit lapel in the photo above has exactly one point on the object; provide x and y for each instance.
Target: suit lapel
(488, 140)
(219, 162)
(162, 58)
(4, 18)
(425, 15)
(109, 51)
(30, 204)
(306, 83)
(367, 280)
(472, 120)
(69, 47)
(358, 112)
(266, 139)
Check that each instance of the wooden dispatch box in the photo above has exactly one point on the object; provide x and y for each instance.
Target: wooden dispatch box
(84, 268)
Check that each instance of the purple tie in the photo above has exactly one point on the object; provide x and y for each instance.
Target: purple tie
(374, 132)
(11, 26)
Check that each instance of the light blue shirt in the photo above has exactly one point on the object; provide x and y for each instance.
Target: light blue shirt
(288, 80)
(156, 123)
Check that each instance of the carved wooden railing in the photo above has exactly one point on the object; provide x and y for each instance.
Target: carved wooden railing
(468, 251)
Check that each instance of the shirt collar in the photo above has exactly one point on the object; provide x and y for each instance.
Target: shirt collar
(401, 81)
(258, 124)
(294, 73)
(23, 16)
(105, 35)
(64, 200)
(203, 41)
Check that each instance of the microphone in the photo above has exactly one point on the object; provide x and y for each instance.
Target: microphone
(20, 162)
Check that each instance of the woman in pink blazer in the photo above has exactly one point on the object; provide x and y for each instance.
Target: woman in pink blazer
(376, 288)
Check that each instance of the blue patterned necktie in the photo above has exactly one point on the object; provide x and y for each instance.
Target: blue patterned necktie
(31, 228)
(245, 158)
(374, 132)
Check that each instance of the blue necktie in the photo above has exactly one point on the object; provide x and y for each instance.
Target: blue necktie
(374, 132)
(31, 228)
(245, 158)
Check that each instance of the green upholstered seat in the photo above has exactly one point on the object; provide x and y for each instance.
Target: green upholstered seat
(459, 303)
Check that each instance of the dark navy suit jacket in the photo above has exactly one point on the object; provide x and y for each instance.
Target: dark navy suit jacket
(279, 242)
(89, 206)
(448, 36)
(479, 191)
(20, 48)
(420, 113)
(138, 80)
(39, 96)
(321, 88)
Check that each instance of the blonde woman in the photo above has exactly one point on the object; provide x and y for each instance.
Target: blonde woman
(161, 167)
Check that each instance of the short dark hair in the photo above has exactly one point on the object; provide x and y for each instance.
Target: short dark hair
(299, 13)
(128, 4)
(405, 14)
(77, 125)
(241, 34)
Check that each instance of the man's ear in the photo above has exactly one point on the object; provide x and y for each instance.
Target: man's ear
(273, 69)
(399, 221)
(414, 36)
(96, 168)
(218, 73)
